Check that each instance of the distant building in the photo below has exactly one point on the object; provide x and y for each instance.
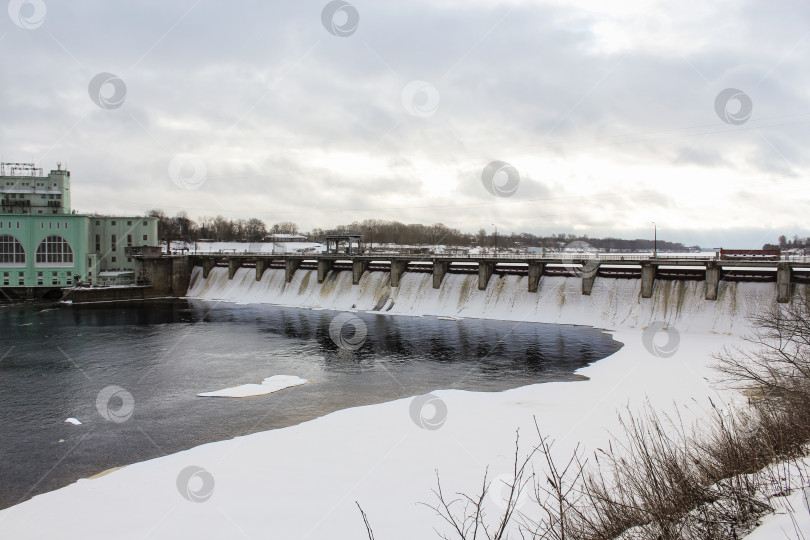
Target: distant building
(285, 237)
(44, 244)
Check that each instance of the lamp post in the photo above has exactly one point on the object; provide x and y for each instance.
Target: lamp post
(655, 240)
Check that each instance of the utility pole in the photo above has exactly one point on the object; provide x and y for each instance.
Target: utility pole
(655, 240)
(496, 239)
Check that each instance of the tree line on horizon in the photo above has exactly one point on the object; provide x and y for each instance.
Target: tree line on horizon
(377, 232)
(794, 243)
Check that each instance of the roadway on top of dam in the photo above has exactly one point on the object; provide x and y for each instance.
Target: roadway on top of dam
(557, 258)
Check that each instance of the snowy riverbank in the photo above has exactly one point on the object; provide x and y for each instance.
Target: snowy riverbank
(302, 481)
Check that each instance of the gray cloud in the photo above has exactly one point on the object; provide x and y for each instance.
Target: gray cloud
(598, 111)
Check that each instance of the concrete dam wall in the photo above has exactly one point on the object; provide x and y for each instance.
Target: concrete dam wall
(613, 303)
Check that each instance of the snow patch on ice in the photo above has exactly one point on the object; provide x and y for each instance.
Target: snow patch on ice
(268, 386)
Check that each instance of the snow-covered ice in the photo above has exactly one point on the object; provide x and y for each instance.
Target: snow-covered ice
(73, 421)
(267, 386)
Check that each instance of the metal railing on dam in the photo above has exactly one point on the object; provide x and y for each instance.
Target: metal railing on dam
(176, 269)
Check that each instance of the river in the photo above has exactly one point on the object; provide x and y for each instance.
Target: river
(55, 361)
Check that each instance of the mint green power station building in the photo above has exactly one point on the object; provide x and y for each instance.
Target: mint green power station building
(45, 246)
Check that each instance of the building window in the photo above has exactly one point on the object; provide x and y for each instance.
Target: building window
(129, 240)
(18, 224)
(112, 223)
(66, 224)
(112, 243)
(54, 279)
(40, 279)
(54, 249)
(144, 238)
(11, 250)
(21, 279)
(57, 224)
(69, 280)
(50, 224)
(129, 224)
(98, 243)
(98, 223)
(114, 259)
(5, 279)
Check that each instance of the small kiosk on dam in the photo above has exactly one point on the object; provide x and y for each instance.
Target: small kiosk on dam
(171, 274)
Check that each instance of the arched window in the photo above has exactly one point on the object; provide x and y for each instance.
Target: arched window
(11, 250)
(56, 250)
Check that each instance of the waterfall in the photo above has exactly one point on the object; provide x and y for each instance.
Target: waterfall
(613, 303)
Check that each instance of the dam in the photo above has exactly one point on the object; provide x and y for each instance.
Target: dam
(172, 274)
(711, 295)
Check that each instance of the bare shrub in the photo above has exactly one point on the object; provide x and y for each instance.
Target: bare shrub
(466, 514)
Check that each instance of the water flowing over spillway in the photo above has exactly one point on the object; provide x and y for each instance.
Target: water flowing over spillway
(613, 303)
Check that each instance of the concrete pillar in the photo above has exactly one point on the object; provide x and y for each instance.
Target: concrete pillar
(180, 275)
(358, 267)
(535, 271)
(161, 275)
(208, 263)
(261, 266)
(783, 283)
(290, 266)
(647, 279)
(485, 270)
(589, 270)
(712, 280)
(324, 265)
(398, 268)
(233, 265)
(439, 270)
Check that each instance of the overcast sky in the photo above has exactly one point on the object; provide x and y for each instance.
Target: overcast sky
(604, 117)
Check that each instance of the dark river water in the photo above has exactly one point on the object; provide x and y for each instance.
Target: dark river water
(55, 361)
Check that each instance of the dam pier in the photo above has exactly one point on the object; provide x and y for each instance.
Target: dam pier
(171, 274)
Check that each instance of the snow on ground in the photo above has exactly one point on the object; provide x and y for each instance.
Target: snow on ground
(247, 247)
(267, 386)
(791, 519)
